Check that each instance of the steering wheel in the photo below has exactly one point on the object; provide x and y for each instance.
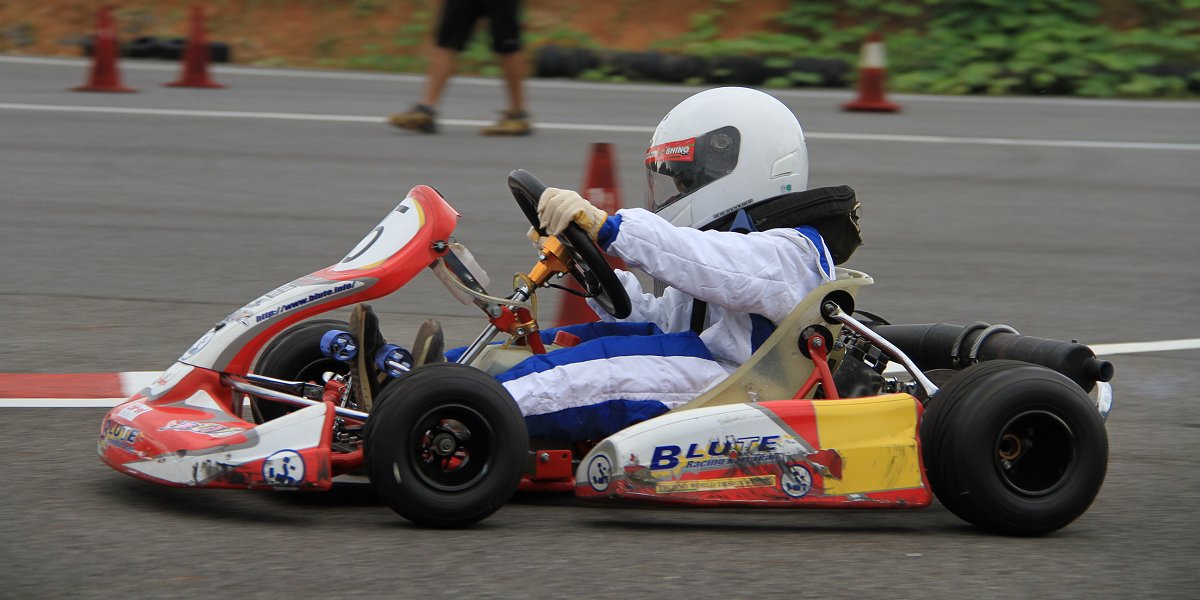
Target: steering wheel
(590, 268)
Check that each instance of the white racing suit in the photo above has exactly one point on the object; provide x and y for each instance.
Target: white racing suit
(650, 362)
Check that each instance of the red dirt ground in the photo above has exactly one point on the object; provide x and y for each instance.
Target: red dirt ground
(323, 33)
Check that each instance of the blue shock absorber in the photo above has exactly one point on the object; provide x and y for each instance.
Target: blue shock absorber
(393, 360)
(339, 345)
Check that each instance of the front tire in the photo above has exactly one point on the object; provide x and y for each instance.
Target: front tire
(295, 355)
(446, 445)
(1014, 448)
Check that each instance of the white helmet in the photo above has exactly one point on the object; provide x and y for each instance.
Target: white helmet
(721, 150)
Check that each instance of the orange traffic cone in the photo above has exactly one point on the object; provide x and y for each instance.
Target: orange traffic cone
(872, 70)
(195, 56)
(104, 76)
(599, 187)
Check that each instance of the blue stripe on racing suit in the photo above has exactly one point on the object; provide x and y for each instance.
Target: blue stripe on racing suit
(609, 382)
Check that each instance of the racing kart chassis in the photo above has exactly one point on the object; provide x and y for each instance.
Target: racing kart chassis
(997, 425)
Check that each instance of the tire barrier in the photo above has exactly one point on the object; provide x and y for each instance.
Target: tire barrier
(560, 61)
(1176, 69)
(162, 49)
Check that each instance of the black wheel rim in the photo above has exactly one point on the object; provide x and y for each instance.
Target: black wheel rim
(1034, 453)
(451, 447)
(316, 370)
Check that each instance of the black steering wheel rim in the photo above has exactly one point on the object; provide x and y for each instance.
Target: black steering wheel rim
(591, 269)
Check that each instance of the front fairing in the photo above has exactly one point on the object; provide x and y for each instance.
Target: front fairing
(408, 239)
(186, 428)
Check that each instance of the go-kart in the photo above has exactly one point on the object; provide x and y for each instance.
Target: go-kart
(1010, 441)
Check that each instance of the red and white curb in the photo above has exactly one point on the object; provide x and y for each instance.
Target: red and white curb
(71, 390)
(105, 390)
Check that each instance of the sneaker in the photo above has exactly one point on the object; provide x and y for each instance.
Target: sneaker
(366, 380)
(510, 123)
(418, 118)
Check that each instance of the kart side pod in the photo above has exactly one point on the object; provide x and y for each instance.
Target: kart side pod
(791, 453)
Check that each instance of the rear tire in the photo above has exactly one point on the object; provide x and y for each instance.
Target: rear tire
(1014, 448)
(446, 445)
(295, 355)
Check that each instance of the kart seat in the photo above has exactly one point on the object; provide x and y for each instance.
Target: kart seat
(778, 369)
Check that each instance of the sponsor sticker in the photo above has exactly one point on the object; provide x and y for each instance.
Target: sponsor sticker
(796, 481)
(599, 472)
(167, 380)
(121, 436)
(285, 467)
(301, 302)
(131, 410)
(706, 485)
(216, 430)
(716, 453)
(680, 151)
(199, 345)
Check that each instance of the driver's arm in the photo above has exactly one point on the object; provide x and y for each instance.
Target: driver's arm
(766, 273)
(670, 312)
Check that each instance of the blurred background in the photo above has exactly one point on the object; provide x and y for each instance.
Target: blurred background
(1094, 48)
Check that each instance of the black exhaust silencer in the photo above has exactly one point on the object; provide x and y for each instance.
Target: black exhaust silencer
(946, 346)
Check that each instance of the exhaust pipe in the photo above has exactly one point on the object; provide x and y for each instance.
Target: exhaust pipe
(946, 346)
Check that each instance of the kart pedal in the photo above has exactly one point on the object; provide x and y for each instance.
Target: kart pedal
(364, 326)
(430, 344)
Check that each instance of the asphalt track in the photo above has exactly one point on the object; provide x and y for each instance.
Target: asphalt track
(130, 223)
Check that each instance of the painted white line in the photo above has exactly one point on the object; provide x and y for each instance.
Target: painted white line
(938, 139)
(816, 135)
(593, 87)
(74, 403)
(170, 112)
(1139, 347)
(60, 402)
(1111, 349)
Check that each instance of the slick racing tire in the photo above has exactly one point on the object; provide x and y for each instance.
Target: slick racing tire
(1014, 448)
(446, 446)
(295, 355)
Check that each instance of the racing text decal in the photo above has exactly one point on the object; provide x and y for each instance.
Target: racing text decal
(121, 436)
(302, 301)
(697, 485)
(683, 150)
(716, 453)
(216, 430)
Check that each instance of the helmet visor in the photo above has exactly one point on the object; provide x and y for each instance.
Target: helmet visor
(676, 169)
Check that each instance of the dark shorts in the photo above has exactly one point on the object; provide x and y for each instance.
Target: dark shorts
(458, 20)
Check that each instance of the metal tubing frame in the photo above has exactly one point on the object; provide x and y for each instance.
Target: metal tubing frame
(245, 386)
(836, 313)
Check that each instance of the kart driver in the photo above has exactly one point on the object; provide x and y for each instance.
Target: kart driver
(715, 153)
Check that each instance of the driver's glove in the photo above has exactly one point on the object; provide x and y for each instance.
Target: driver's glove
(534, 237)
(559, 208)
